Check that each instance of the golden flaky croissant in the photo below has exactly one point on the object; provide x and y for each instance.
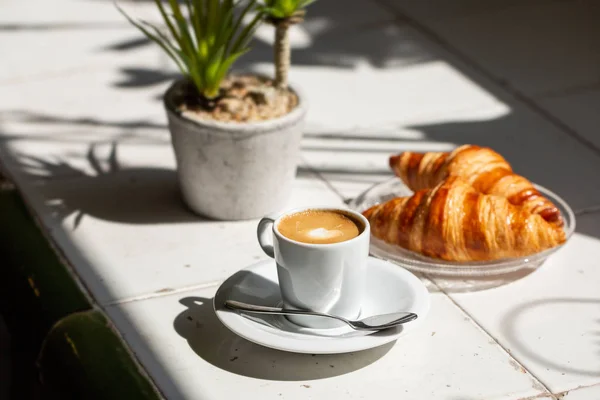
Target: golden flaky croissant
(487, 171)
(454, 222)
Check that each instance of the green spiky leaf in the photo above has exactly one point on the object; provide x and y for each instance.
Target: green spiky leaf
(205, 43)
(280, 9)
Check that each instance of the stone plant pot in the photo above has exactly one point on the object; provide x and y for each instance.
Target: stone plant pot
(235, 171)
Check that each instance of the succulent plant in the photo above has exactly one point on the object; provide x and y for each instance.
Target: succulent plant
(206, 44)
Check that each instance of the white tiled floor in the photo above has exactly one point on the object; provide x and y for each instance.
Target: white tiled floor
(405, 77)
(88, 99)
(63, 37)
(535, 46)
(192, 355)
(578, 110)
(549, 320)
(75, 36)
(424, 10)
(534, 147)
(589, 393)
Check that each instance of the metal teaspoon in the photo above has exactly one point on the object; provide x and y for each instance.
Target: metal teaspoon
(372, 323)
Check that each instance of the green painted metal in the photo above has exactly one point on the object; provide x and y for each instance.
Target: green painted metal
(36, 290)
(33, 276)
(52, 321)
(99, 366)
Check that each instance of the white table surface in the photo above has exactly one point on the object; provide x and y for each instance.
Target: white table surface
(83, 135)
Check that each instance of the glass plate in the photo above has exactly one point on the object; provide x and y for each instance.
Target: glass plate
(413, 261)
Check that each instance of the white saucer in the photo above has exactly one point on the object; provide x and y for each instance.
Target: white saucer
(390, 288)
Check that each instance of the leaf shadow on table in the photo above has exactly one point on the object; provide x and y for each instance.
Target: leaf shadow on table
(79, 169)
(86, 176)
(216, 344)
(568, 364)
(132, 195)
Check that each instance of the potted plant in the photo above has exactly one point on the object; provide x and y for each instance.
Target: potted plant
(236, 137)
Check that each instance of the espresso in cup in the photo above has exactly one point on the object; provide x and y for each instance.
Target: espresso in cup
(321, 255)
(319, 227)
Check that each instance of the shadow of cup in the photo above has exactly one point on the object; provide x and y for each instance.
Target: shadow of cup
(216, 344)
(575, 313)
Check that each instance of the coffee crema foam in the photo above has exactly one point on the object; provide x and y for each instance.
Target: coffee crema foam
(318, 227)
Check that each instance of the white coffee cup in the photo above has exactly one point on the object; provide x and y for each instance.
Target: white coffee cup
(328, 278)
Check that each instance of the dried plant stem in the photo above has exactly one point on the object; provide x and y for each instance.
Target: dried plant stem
(282, 54)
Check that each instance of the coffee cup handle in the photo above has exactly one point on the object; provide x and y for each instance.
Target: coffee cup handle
(265, 236)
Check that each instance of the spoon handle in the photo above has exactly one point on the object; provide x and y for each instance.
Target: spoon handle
(238, 305)
(373, 323)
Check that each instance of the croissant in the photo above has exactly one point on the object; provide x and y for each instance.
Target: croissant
(454, 222)
(487, 171)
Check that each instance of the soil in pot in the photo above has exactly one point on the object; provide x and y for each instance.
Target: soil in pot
(243, 98)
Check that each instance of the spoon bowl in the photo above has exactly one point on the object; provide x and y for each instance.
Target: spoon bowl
(371, 323)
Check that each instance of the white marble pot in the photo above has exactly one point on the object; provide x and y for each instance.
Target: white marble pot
(235, 171)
